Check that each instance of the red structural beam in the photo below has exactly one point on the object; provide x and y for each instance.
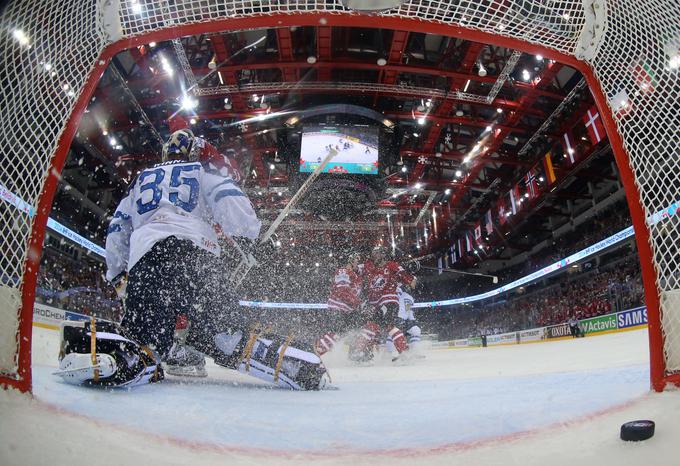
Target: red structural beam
(457, 84)
(502, 131)
(222, 53)
(284, 40)
(324, 52)
(395, 68)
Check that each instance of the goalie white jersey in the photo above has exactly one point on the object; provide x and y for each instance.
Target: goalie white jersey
(180, 199)
(405, 305)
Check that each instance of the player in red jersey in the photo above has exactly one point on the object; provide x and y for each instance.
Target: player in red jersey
(203, 151)
(383, 277)
(344, 302)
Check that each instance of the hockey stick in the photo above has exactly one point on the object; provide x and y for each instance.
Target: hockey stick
(492, 277)
(247, 259)
(296, 198)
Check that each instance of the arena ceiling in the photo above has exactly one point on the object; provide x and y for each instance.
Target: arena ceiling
(471, 119)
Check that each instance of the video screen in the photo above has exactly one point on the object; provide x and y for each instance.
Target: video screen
(357, 148)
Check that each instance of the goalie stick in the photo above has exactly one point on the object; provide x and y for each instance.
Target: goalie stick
(247, 259)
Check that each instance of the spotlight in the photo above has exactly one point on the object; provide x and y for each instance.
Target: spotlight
(188, 103)
(311, 59)
(381, 62)
(20, 36)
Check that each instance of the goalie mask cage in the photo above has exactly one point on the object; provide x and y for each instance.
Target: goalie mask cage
(52, 55)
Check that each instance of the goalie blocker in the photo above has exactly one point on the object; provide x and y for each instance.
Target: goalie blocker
(104, 356)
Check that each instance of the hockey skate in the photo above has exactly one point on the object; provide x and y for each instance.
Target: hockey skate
(99, 354)
(182, 360)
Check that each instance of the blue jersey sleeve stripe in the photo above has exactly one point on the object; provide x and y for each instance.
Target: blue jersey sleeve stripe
(228, 193)
(113, 228)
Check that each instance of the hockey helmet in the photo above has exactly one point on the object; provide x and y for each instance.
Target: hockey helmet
(180, 146)
(379, 252)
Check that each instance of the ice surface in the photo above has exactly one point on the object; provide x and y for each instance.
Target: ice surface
(552, 403)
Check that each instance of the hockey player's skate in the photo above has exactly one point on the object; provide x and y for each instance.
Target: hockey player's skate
(183, 360)
(361, 350)
(99, 354)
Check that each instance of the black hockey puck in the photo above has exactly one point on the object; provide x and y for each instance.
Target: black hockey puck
(634, 431)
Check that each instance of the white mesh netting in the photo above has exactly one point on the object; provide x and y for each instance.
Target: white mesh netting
(43, 70)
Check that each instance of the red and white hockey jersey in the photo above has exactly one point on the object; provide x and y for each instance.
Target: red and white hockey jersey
(345, 292)
(207, 153)
(384, 281)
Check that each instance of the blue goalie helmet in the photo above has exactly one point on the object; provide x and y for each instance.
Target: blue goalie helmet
(180, 146)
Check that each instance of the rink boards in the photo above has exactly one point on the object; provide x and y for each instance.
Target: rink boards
(631, 319)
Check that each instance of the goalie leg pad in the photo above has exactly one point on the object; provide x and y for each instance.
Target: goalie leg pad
(118, 361)
(282, 361)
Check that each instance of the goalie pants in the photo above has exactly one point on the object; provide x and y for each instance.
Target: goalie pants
(175, 277)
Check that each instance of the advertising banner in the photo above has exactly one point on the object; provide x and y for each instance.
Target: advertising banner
(47, 315)
(598, 324)
(502, 339)
(461, 343)
(534, 334)
(474, 341)
(632, 318)
(557, 331)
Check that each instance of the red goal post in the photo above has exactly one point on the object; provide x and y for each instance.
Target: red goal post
(52, 54)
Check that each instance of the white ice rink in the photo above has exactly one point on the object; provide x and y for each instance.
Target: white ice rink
(553, 403)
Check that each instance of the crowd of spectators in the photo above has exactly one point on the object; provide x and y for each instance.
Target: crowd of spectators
(76, 285)
(605, 223)
(615, 287)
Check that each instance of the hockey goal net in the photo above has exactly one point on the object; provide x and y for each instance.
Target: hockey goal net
(53, 53)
